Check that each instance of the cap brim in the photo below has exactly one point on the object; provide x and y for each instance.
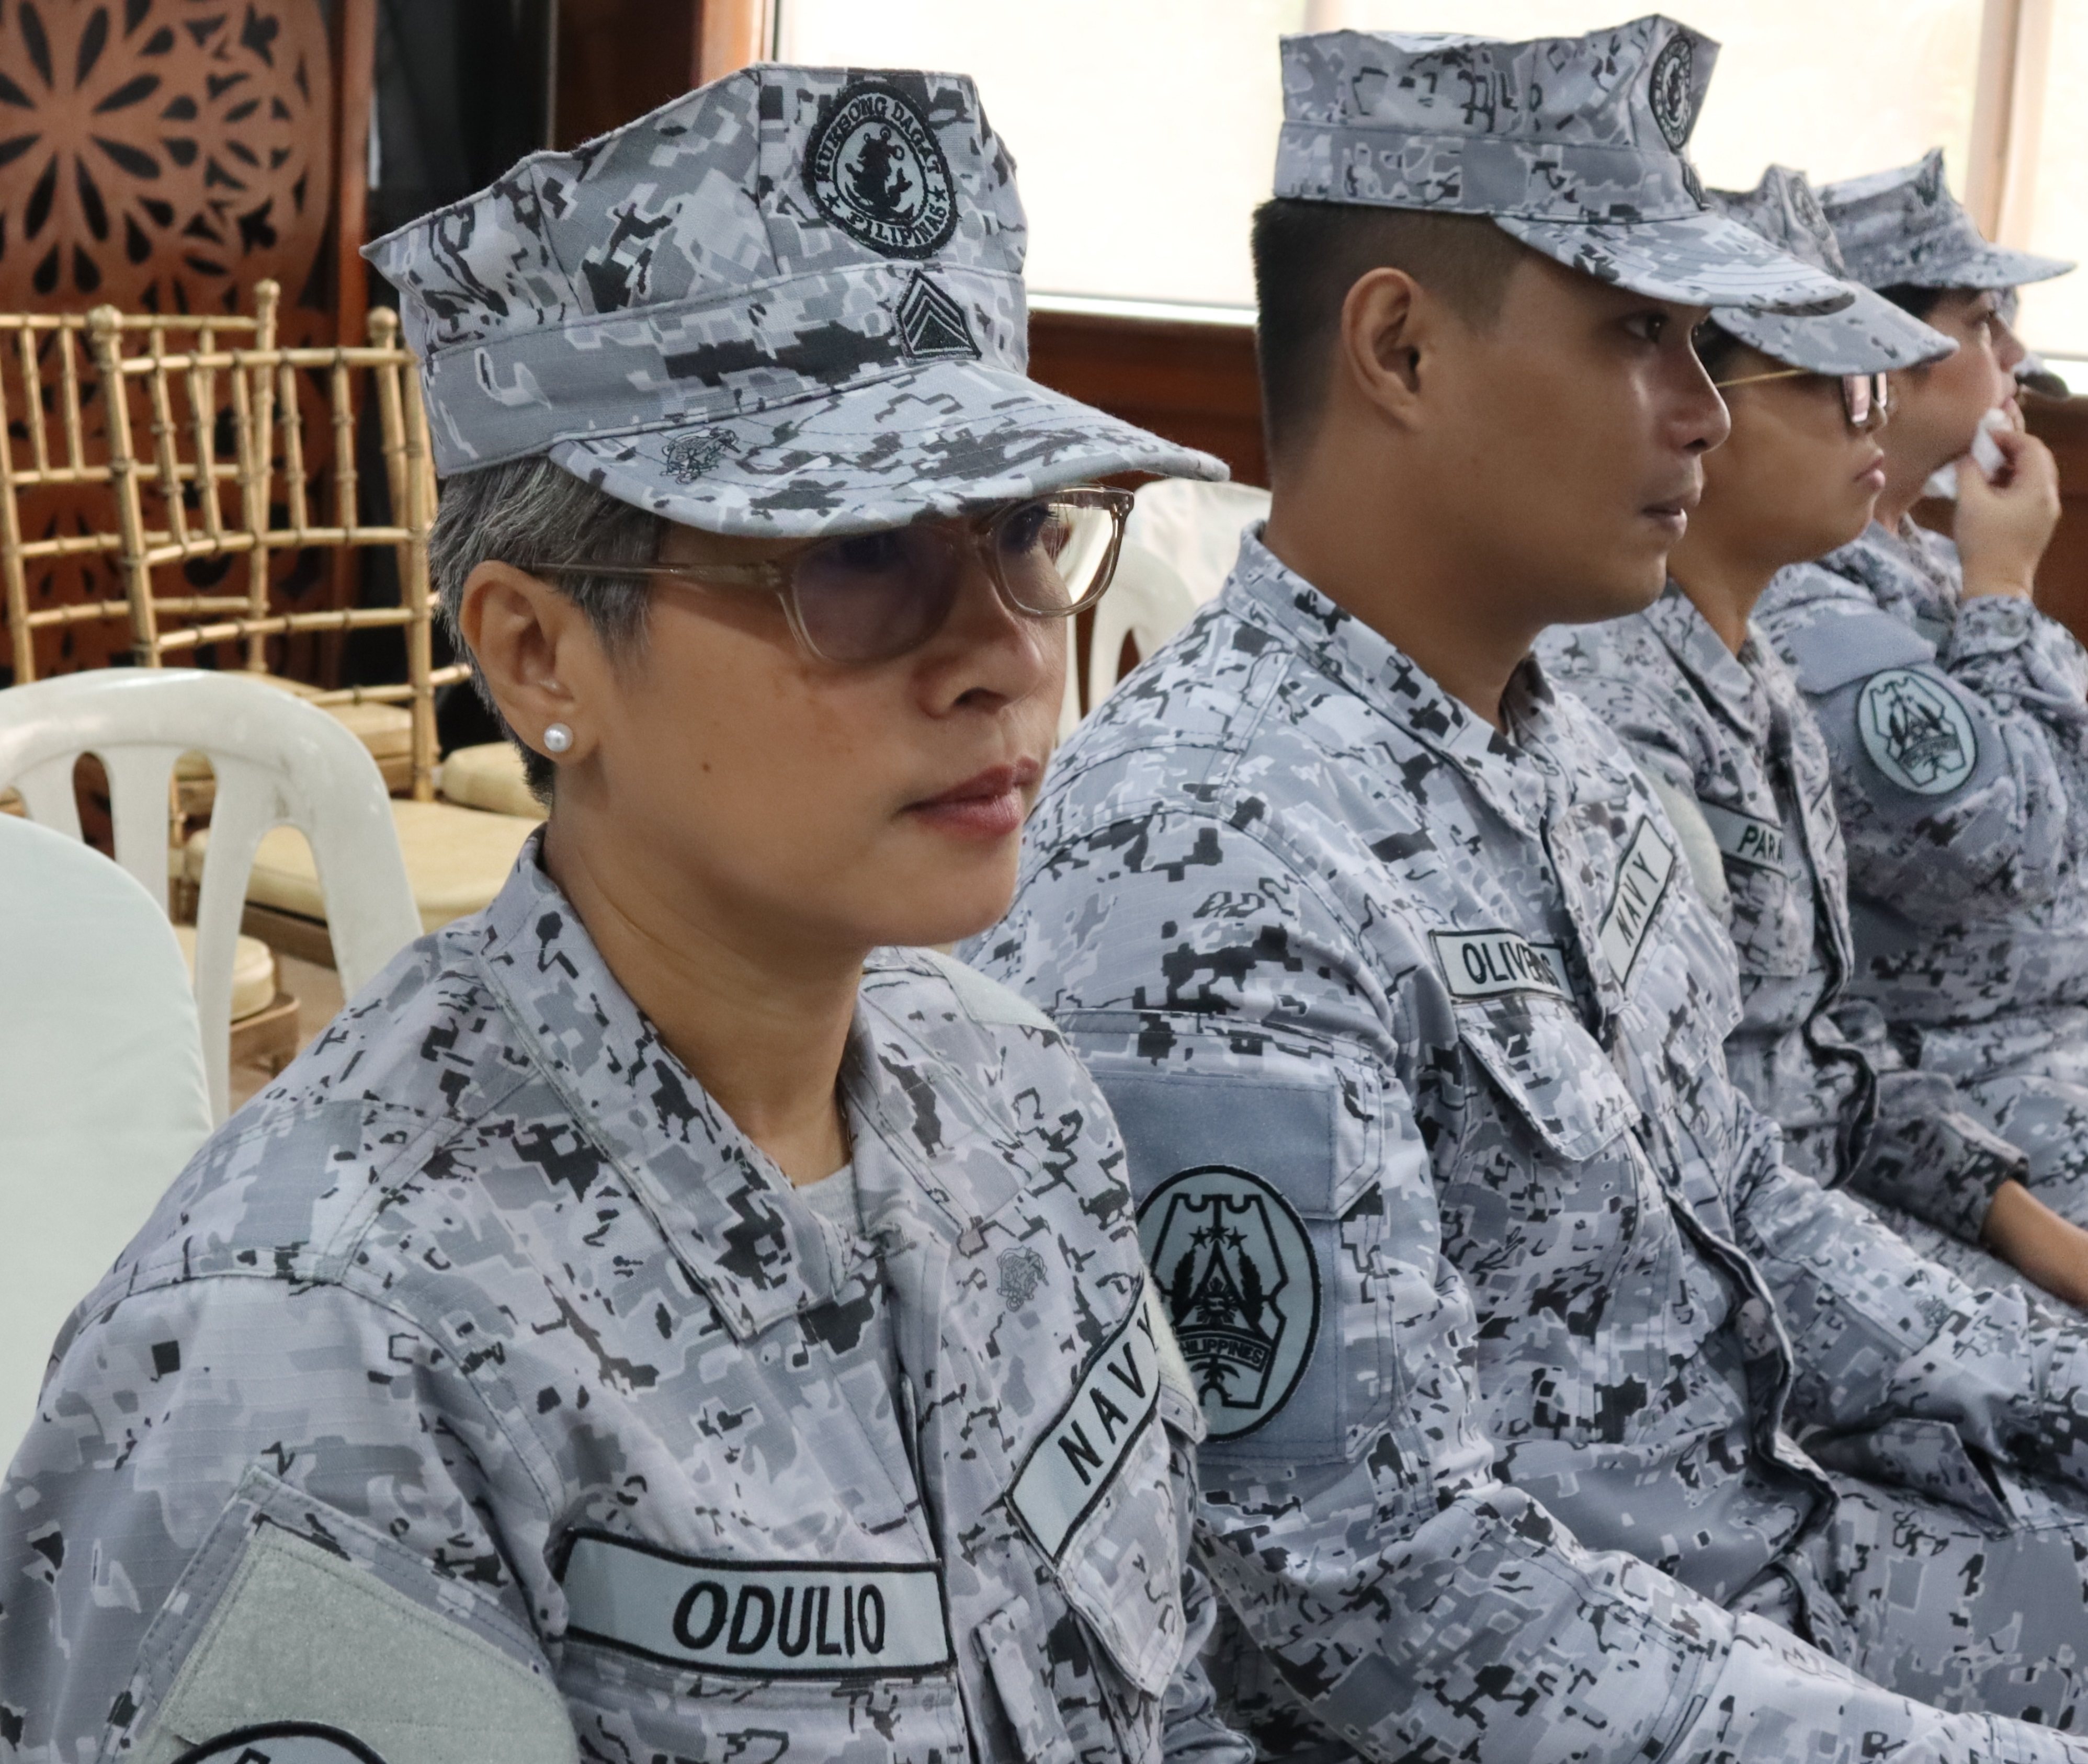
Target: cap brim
(1704, 259)
(1869, 336)
(936, 440)
(1991, 266)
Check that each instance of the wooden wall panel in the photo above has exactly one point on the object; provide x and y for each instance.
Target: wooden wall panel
(618, 59)
(163, 155)
(1193, 382)
(2062, 581)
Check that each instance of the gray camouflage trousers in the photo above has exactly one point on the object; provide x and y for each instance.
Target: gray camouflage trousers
(1978, 1602)
(1942, 1575)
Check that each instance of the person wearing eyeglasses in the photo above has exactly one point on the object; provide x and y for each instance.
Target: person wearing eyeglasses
(1713, 714)
(674, 1312)
(1553, 1416)
(1955, 712)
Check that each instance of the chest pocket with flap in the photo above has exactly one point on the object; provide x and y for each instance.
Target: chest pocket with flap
(1549, 1070)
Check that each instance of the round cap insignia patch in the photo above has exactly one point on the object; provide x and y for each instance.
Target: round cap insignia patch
(876, 170)
(1674, 107)
(1242, 1290)
(1916, 733)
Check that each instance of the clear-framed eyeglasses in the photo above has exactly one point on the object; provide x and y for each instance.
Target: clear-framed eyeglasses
(1864, 396)
(866, 598)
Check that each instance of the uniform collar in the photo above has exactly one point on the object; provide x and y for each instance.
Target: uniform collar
(1731, 683)
(758, 1251)
(1908, 567)
(1510, 770)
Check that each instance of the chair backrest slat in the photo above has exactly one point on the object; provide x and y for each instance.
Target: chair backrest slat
(33, 413)
(165, 457)
(292, 418)
(67, 343)
(105, 324)
(200, 385)
(13, 566)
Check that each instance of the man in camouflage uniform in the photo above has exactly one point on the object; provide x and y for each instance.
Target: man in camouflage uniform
(1501, 1299)
(482, 1392)
(1727, 741)
(1958, 727)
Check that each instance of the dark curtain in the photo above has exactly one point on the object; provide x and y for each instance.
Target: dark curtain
(462, 90)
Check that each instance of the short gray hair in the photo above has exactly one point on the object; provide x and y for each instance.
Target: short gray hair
(536, 515)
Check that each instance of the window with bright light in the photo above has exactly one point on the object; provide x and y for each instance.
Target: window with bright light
(2055, 314)
(1145, 131)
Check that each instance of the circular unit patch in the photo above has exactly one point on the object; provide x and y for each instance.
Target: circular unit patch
(283, 1742)
(1674, 106)
(1916, 731)
(1242, 1286)
(876, 170)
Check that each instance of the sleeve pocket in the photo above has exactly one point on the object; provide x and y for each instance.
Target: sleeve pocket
(1253, 1163)
(293, 1632)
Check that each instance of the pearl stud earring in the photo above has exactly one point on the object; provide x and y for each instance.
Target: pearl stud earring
(557, 738)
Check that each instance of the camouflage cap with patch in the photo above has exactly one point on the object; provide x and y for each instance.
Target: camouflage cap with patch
(1903, 228)
(1573, 144)
(1868, 335)
(789, 303)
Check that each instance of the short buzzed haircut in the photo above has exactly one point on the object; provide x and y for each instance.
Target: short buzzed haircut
(1307, 255)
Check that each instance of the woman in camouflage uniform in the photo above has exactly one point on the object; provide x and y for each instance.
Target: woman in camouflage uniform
(1718, 723)
(1955, 712)
(655, 1320)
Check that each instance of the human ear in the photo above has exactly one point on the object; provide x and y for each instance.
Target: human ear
(1385, 332)
(539, 656)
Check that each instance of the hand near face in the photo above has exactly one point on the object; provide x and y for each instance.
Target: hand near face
(2004, 526)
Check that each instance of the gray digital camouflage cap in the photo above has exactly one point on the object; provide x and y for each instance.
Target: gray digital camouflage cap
(1573, 144)
(1903, 228)
(787, 304)
(1868, 335)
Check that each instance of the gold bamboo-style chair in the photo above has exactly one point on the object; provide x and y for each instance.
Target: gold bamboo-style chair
(175, 383)
(51, 361)
(206, 459)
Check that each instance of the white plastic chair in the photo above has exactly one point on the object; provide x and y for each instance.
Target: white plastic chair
(102, 1093)
(1178, 548)
(1195, 527)
(277, 761)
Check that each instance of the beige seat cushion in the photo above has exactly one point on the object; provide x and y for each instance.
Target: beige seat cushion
(489, 777)
(253, 971)
(456, 859)
(386, 730)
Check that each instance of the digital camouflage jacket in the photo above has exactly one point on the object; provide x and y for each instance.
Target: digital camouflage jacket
(1499, 1297)
(1732, 736)
(480, 1393)
(1958, 734)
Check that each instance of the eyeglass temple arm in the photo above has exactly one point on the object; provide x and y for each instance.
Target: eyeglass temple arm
(1781, 374)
